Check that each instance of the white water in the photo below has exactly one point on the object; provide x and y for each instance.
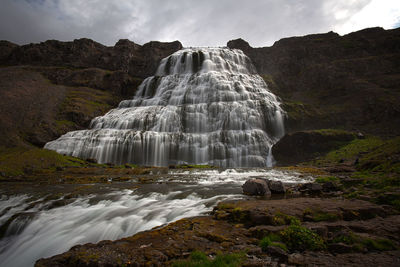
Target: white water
(203, 106)
(36, 228)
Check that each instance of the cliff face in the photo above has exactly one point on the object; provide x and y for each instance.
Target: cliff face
(136, 60)
(50, 88)
(329, 81)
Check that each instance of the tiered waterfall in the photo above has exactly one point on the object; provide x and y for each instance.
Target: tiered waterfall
(203, 106)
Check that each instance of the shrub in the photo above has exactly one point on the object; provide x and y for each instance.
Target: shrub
(298, 237)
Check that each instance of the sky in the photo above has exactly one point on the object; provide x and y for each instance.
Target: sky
(192, 22)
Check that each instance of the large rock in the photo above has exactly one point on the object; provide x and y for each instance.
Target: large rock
(256, 187)
(305, 145)
(276, 187)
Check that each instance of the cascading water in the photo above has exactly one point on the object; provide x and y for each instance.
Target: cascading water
(203, 106)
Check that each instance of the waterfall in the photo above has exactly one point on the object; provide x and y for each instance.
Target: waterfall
(203, 106)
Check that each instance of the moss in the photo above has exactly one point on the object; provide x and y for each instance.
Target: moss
(305, 170)
(351, 150)
(360, 243)
(20, 161)
(318, 215)
(200, 259)
(297, 237)
(284, 219)
(272, 240)
(325, 179)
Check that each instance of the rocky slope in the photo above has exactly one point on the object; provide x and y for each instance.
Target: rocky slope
(331, 81)
(50, 88)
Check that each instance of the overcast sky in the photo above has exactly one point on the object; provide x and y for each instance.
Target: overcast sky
(193, 22)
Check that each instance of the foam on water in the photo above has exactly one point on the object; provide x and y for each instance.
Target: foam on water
(42, 227)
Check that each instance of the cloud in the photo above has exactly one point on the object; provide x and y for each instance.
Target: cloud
(193, 22)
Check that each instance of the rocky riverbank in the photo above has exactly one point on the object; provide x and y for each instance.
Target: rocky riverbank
(297, 231)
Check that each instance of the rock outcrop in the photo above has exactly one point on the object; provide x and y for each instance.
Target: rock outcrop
(303, 146)
(53, 87)
(136, 60)
(256, 187)
(331, 81)
(237, 227)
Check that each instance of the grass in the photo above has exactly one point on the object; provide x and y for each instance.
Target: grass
(200, 259)
(351, 150)
(20, 161)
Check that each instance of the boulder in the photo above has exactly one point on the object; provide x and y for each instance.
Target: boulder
(276, 187)
(256, 187)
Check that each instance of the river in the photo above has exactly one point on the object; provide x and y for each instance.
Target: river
(39, 221)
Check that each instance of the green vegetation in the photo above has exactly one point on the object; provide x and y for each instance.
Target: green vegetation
(297, 237)
(294, 237)
(350, 151)
(199, 259)
(19, 161)
(319, 215)
(360, 243)
(325, 179)
(272, 240)
(284, 219)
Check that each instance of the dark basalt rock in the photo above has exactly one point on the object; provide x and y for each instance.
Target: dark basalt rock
(306, 145)
(256, 187)
(329, 81)
(136, 60)
(276, 187)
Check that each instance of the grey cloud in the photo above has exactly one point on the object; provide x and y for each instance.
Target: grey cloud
(194, 23)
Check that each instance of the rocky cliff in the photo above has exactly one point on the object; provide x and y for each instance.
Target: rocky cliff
(50, 88)
(136, 60)
(331, 81)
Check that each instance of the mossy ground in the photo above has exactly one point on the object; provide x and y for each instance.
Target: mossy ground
(19, 161)
(200, 259)
(373, 169)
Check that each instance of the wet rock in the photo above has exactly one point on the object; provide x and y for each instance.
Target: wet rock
(277, 252)
(256, 187)
(276, 187)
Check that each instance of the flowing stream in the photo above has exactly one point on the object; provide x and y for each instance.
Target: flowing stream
(39, 221)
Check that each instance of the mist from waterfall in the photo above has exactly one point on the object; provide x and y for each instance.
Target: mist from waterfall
(203, 106)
